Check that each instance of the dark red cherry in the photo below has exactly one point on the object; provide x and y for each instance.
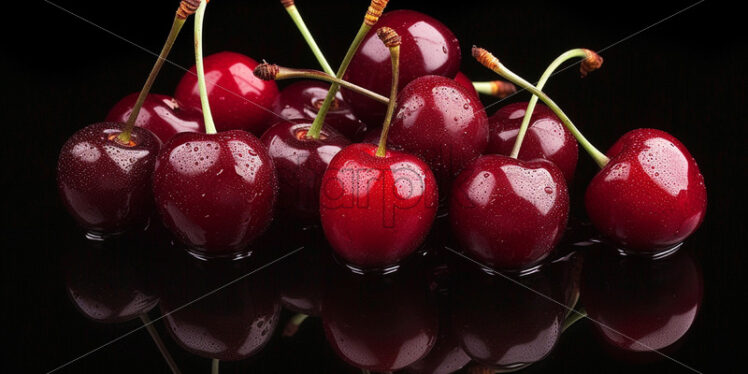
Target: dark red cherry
(509, 213)
(300, 163)
(162, 115)
(379, 323)
(216, 192)
(641, 304)
(507, 324)
(376, 210)
(546, 137)
(464, 81)
(439, 121)
(650, 196)
(105, 185)
(110, 282)
(232, 324)
(238, 99)
(428, 48)
(302, 100)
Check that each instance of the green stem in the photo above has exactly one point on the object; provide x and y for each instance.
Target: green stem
(214, 366)
(598, 156)
(289, 73)
(299, 21)
(159, 343)
(574, 53)
(395, 61)
(176, 26)
(210, 126)
(572, 318)
(316, 128)
(293, 324)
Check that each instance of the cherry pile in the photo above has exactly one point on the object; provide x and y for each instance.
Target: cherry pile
(373, 153)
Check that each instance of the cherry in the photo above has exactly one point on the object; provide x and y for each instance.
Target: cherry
(441, 122)
(464, 81)
(239, 99)
(303, 99)
(546, 137)
(650, 196)
(379, 323)
(163, 115)
(300, 163)
(504, 323)
(216, 191)
(428, 48)
(105, 184)
(509, 213)
(229, 325)
(377, 205)
(640, 305)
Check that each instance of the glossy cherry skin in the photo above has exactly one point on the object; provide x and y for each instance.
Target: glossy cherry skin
(109, 282)
(106, 186)
(428, 48)
(464, 81)
(650, 196)
(302, 100)
(163, 115)
(546, 137)
(229, 325)
(379, 323)
(217, 192)
(509, 213)
(441, 122)
(376, 210)
(641, 304)
(503, 324)
(238, 99)
(300, 164)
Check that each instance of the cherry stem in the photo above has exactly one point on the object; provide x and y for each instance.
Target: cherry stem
(214, 366)
(159, 343)
(210, 126)
(500, 89)
(267, 71)
(573, 53)
(293, 324)
(299, 21)
(392, 40)
(176, 26)
(572, 318)
(372, 16)
(491, 62)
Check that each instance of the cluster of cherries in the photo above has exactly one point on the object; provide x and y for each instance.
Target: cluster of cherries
(220, 165)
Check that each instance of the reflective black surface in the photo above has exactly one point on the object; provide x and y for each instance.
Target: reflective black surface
(65, 297)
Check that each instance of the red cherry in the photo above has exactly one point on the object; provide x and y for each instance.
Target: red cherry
(428, 48)
(650, 196)
(509, 213)
(464, 81)
(162, 115)
(507, 325)
(215, 192)
(302, 100)
(442, 123)
(379, 323)
(641, 305)
(229, 325)
(238, 99)
(376, 210)
(546, 137)
(105, 185)
(300, 163)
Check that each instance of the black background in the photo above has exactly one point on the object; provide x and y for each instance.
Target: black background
(685, 76)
